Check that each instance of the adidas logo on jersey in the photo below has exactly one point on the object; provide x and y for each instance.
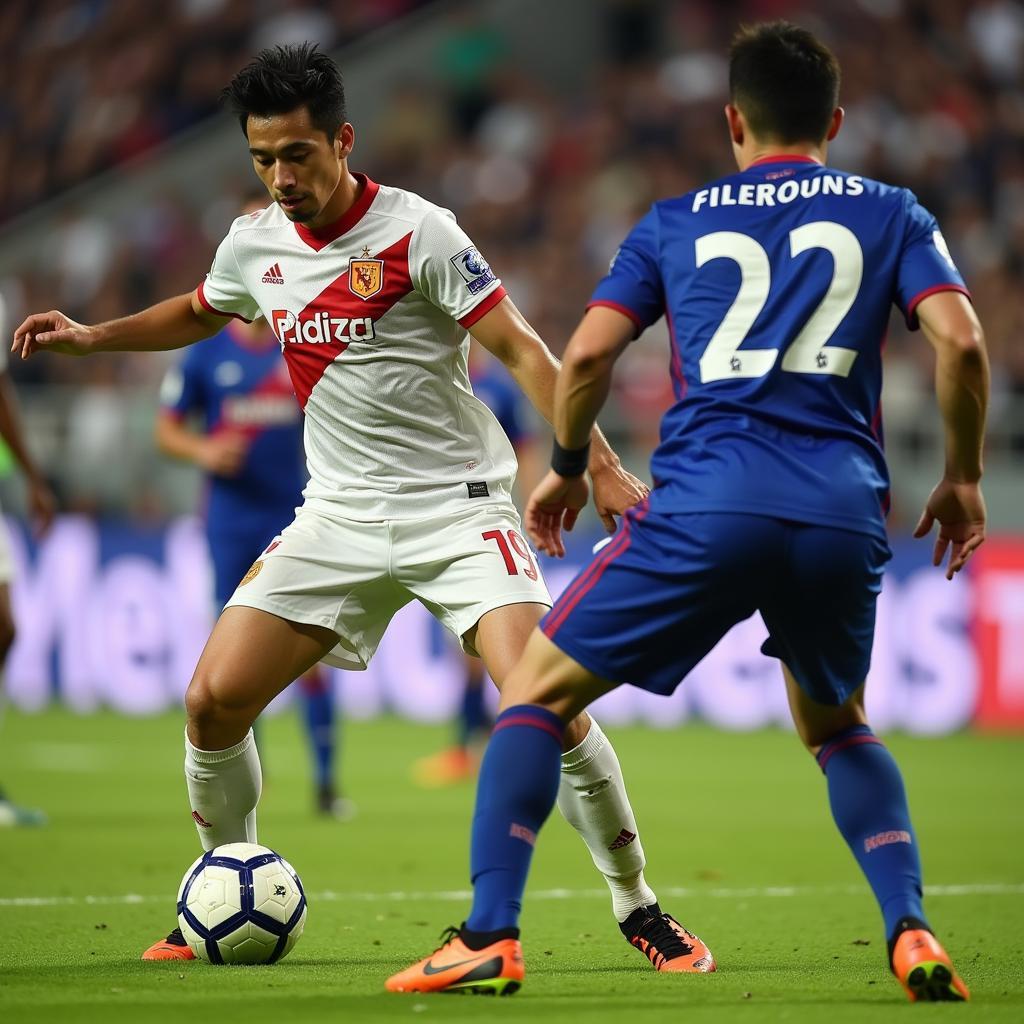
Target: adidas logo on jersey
(320, 328)
(274, 275)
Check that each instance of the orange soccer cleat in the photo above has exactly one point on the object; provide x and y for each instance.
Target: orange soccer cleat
(447, 768)
(496, 969)
(924, 969)
(174, 947)
(666, 943)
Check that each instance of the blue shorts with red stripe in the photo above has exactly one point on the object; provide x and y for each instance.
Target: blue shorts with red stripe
(668, 586)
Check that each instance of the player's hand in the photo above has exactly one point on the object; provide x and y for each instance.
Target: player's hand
(54, 332)
(42, 505)
(223, 454)
(615, 491)
(959, 509)
(555, 505)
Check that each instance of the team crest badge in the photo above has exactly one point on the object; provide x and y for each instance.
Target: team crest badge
(365, 277)
(253, 572)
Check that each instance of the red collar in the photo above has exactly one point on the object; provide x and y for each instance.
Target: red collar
(319, 237)
(786, 158)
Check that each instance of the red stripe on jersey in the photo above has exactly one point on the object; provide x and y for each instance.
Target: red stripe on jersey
(946, 286)
(619, 308)
(676, 364)
(205, 303)
(308, 361)
(481, 310)
(320, 237)
(785, 158)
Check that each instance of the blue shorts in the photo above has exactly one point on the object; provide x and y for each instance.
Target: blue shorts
(667, 588)
(232, 554)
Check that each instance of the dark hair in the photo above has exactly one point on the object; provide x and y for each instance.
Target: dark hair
(283, 78)
(784, 80)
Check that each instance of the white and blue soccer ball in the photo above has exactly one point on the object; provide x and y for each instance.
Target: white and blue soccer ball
(241, 904)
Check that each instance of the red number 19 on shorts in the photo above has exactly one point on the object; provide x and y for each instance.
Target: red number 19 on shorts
(522, 549)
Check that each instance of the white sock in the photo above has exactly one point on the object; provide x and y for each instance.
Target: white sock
(592, 798)
(224, 788)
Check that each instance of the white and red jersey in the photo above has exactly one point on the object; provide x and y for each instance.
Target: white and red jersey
(372, 313)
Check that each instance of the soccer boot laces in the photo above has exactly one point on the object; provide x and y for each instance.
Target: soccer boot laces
(454, 967)
(666, 943)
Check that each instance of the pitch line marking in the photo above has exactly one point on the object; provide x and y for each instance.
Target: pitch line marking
(461, 895)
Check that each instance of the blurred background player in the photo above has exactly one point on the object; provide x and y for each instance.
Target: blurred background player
(41, 508)
(249, 446)
(771, 496)
(497, 390)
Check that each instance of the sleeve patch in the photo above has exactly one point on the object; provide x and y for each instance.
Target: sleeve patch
(940, 244)
(473, 269)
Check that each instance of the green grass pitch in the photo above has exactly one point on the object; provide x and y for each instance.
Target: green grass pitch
(739, 841)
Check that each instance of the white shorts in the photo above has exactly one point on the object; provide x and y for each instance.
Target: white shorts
(353, 577)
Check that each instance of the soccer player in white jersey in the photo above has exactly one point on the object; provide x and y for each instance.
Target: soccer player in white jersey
(370, 291)
(41, 505)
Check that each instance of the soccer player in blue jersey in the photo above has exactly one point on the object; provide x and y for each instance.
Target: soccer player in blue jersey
(770, 489)
(250, 450)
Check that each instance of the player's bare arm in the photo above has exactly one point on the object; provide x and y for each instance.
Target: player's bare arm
(173, 323)
(505, 333)
(42, 505)
(961, 386)
(580, 392)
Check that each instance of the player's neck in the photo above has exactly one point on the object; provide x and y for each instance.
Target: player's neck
(763, 152)
(344, 198)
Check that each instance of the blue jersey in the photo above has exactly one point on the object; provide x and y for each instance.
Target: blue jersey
(777, 284)
(242, 386)
(494, 386)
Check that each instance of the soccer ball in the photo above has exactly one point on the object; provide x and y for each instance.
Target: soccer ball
(241, 904)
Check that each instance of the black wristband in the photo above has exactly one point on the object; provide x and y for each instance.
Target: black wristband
(569, 462)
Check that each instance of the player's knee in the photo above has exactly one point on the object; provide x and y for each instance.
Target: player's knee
(522, 686)
(816, 731)
(557, 689)
(214, 710)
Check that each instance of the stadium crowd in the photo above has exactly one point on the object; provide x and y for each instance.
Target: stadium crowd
(546, 184)
(90, 84)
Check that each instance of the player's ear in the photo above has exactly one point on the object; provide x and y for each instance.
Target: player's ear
(344, 141)
(835, 124)
(735, 121)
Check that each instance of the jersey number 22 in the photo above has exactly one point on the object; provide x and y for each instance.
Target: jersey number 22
(809, 351)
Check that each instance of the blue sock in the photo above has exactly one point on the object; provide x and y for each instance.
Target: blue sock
(318, 712)
(472, 714)
(518, 785)
(869, 805)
